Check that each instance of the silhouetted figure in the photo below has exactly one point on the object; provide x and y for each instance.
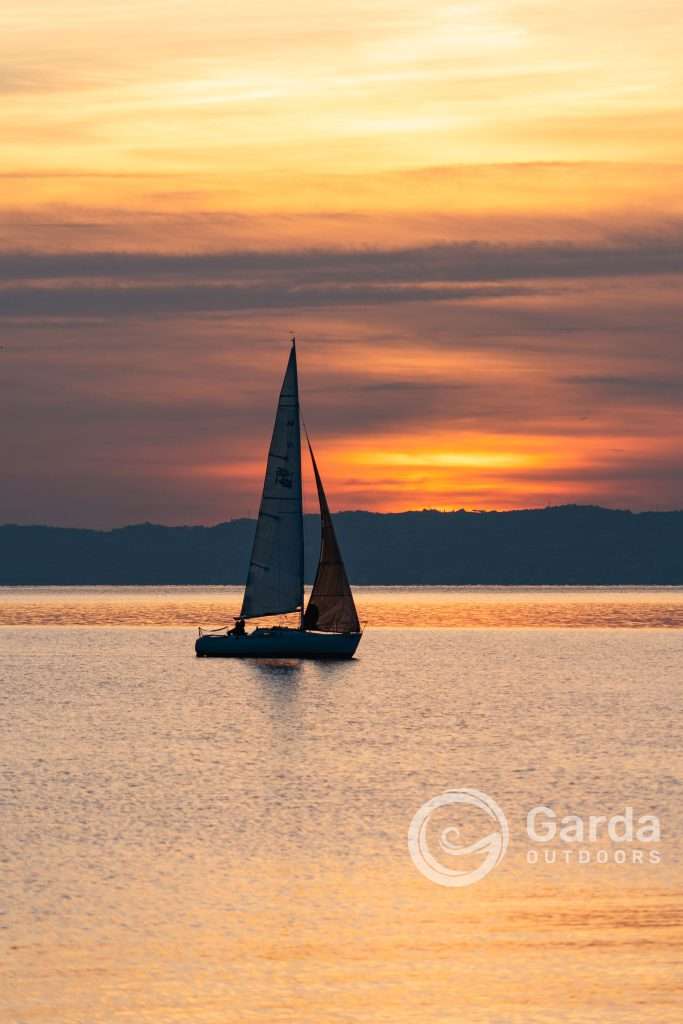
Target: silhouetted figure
(238, 629)
(311, 616)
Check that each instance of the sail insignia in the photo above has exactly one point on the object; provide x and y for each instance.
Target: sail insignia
(276, 569)
(331, 608)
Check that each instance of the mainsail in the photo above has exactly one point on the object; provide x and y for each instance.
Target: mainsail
(275, 582)
(330, 607)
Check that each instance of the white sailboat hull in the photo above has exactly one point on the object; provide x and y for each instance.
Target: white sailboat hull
(278, 642)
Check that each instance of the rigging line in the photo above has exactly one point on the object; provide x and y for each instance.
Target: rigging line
(308, 439)
(303, 421)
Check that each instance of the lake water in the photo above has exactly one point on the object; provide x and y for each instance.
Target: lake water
(190, 841)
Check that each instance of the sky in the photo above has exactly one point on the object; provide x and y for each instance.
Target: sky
(471, 214)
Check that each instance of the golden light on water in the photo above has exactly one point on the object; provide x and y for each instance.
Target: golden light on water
(195, 840)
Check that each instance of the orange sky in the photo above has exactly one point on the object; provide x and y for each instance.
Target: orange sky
(471, 213)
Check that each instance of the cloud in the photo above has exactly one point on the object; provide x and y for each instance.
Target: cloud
(121, 301)
(165, 412)
(139, 283)
(647, 253)
(638, 387)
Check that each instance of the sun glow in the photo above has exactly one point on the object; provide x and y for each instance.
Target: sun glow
(448, 460)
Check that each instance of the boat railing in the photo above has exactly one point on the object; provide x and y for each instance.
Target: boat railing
(220, 630)
(213, 632)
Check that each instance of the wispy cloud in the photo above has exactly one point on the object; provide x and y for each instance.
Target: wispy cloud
(145, 300)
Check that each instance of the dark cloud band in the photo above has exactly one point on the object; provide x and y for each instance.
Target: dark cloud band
(125, 283)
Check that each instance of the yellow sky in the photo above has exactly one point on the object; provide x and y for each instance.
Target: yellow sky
(235, 103)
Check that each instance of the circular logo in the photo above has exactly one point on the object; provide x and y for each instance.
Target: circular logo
(485, 852)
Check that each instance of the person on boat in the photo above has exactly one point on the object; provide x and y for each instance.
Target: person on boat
(238, 629)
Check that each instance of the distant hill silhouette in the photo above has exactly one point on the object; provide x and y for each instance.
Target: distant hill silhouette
(567, 544)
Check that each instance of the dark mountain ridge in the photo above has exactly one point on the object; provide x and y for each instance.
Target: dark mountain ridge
(568, 544)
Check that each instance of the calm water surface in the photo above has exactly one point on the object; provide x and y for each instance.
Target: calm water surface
(188, 841)
(444, 607)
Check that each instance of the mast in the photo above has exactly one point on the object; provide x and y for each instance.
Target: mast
(301, 513)
(276, 569)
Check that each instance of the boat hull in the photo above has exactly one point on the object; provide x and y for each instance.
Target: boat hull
(278, 642)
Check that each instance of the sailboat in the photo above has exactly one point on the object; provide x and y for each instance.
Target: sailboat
(328, 625)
